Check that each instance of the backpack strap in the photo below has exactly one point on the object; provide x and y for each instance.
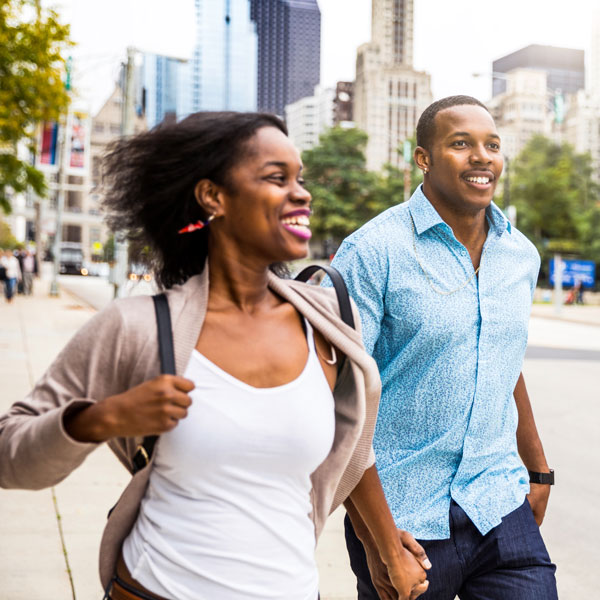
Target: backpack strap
(167, 367)
(340, 289)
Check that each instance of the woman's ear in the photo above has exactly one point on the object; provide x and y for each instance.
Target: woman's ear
(209, 197)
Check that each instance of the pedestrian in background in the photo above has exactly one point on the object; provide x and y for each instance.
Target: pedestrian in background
(267, 425)
(444, 286)
(13, 274)
(29, 271)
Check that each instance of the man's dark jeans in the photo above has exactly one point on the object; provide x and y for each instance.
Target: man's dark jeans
(508, 563)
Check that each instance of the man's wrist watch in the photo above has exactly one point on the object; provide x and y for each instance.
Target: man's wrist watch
(543, 478)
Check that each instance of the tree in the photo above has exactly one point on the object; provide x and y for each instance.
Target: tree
(339, 182)
(31, 88)
(7, 239)
(389, 186)
(557, 199)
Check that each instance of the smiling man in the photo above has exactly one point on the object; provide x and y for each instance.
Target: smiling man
(444, 286)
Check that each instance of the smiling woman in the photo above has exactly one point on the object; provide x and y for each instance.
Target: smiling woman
(263, 431)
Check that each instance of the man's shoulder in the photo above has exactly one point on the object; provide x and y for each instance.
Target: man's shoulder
(525, 247)
(392, 222)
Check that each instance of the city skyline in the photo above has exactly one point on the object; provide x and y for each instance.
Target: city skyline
(467, 36)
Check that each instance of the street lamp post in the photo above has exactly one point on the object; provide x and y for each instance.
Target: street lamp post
(127, 128)
(61, 181)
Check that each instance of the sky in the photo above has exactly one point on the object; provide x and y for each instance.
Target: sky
(453, 39)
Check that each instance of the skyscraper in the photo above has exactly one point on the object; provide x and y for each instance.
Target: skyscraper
(163, 88)
(289, 51)
(224, 64)
(563, 66)
(389, 95)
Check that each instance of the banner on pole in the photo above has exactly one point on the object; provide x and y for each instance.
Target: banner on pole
(78, 143)
(47, 154)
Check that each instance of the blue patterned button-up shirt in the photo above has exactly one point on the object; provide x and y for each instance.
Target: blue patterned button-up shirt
(449, 363)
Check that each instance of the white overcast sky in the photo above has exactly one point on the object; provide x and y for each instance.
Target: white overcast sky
(453, 38)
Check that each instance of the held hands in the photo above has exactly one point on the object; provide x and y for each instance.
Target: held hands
(402, 577)
(151, 408)
(538, 500)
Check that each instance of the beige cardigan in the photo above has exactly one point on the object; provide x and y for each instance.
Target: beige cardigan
(117, 349)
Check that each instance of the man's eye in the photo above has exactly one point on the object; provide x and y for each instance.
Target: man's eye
(494, 146)
(459, 143)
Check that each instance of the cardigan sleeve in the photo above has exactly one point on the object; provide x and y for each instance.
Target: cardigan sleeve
(35, 450)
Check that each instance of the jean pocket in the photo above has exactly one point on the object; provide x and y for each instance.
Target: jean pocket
(520, 543)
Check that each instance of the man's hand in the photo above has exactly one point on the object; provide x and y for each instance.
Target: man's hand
(404, 578)
(538, 500)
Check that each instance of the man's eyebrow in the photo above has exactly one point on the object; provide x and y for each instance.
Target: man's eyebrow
(467, 134)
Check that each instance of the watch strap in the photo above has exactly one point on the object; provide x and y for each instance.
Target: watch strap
(543, 478)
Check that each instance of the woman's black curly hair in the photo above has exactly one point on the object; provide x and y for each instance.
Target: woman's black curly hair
(149, 182)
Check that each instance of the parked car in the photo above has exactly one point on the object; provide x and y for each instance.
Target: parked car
(71, 259)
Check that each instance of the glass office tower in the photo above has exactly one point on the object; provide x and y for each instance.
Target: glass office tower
(224, 64)
(163, 88)
(289, 51)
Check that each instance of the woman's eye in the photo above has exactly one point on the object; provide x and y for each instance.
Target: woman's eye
(278, 177)
(302, 181)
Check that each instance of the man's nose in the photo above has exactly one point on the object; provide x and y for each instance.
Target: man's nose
(481, 154)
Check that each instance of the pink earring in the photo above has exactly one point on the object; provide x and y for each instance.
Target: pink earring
(197, 225)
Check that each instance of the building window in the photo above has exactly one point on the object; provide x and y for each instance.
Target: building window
(72, 233)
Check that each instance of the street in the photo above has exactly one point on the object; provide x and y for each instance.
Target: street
(562, 373)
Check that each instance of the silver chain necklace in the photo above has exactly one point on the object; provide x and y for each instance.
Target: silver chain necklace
(429, 280)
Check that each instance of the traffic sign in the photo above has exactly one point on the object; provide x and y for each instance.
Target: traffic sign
(575, 271)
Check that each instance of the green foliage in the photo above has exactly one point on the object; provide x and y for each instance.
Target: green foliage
(7, 239)
(109, 249)
(558, 202)
(31, 87)
(339, 182)
(345, 194)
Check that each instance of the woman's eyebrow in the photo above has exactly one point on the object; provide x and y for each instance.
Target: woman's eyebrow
(275, 163)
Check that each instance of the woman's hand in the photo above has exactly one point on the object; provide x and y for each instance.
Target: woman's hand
(151, 408)
(396, 561)
(404, 576)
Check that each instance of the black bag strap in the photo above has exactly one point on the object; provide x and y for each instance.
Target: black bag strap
(167, 367)
(340, 289)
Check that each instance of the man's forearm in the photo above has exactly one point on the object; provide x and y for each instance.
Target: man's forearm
(371, 517)
(528, 440)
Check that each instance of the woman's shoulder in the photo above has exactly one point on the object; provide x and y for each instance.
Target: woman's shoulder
(317, 295)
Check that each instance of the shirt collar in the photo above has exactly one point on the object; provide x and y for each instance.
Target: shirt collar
(425, 216)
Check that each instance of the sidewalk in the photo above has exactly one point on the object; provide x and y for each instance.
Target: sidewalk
(583, 314)
(37, 562)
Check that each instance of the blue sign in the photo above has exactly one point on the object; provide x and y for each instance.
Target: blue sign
(575, 271)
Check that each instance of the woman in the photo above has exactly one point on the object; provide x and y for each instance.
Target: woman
(260, 436)
(12, 275)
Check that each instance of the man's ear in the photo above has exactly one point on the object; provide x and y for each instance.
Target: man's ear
(422, 159)
(209, 197)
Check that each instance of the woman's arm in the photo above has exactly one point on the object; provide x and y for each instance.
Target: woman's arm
(396, 561)
(151, 408)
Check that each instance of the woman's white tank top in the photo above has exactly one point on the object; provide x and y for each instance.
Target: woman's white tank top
(226, 512)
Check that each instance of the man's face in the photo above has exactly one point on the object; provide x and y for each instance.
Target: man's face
(465, 159)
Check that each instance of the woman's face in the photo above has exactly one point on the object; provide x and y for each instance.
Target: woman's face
(265, 206)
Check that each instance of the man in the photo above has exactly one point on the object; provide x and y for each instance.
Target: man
(444, 286)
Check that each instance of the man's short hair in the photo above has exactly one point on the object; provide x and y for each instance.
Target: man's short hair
(426, 124)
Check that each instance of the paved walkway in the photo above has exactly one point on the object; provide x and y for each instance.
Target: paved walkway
(586, 314)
